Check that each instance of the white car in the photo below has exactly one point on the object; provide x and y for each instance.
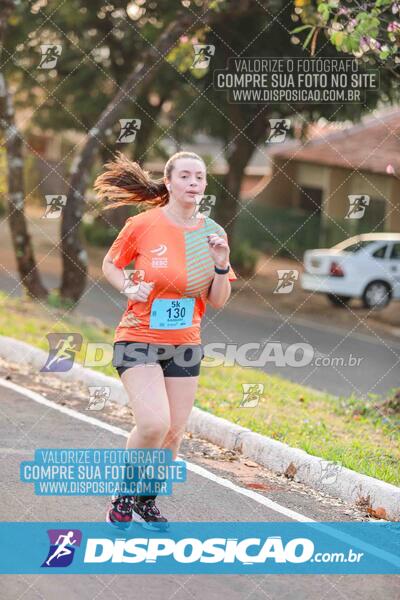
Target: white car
(365, 266)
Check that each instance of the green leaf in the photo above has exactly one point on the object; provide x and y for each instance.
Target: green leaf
(337, 38)
(346, 46)
(300, 28)
(354, 42)
(308, 38)
(322, 8)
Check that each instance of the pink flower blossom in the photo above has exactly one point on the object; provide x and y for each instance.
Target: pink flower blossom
(393, 26)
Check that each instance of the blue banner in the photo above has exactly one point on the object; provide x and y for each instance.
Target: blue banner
(102, 471)
(201, 547)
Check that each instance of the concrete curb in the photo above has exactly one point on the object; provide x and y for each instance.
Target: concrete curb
(380, 498)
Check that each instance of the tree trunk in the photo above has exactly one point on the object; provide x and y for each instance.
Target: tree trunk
(26, 263)
(74, 256)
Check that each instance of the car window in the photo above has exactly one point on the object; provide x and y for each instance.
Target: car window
(395, 251)
(352, 247)
(380, 253)
(356, 247)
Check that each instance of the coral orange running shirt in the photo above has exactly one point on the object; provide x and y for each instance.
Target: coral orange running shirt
(178, 260)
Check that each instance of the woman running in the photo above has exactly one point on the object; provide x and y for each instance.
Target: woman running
(181, 257)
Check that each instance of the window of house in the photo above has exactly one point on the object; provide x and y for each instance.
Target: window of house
(310, 199)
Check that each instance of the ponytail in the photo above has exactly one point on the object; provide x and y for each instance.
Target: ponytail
(125, 182)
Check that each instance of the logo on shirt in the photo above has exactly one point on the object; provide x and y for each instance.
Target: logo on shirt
(157, 261)
(160, 250)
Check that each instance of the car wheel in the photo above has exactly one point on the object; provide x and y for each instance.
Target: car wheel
(376, 295)
(339, 301)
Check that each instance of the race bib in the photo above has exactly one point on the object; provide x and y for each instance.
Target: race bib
(171, 314)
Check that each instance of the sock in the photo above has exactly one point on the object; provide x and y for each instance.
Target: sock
(144, 498)
(147, 497)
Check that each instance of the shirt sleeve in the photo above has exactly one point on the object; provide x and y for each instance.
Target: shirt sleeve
(124, 248)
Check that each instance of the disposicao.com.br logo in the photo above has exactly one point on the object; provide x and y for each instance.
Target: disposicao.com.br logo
(213, 550)
(202, 547)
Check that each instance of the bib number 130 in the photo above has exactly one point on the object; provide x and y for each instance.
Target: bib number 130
(171, 314)
(177, 312)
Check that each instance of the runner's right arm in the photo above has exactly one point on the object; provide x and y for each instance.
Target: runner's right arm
(115, 276)
(122, 252)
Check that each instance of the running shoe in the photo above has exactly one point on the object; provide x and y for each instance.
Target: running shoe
(119, 512)
(146, 513)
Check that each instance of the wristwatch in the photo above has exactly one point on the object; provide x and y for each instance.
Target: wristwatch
(221, 271)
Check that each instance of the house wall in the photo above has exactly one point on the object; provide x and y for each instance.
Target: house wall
(336, 192)
(336, 184)
(310, 175)
(344, 182)
(281, 190)
(334, 203)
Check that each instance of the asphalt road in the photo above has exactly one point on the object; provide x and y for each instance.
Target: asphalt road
(348, 362)
(376, 359)
(27, 425)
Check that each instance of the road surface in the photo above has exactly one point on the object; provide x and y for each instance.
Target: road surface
(375, 358)
(205, 496)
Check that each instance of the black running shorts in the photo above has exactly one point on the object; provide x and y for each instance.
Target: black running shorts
(175, 360)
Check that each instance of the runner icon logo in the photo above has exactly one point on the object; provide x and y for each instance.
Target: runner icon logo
(62, 547)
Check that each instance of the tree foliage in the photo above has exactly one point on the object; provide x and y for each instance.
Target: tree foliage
(369, 30)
